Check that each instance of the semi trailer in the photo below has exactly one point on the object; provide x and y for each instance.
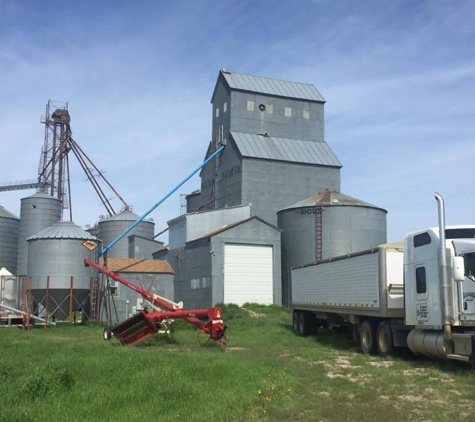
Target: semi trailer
(417, 294)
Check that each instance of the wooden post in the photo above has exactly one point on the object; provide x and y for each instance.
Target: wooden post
(71, 302)
(99, 297)
(47, 302)
(91, 293)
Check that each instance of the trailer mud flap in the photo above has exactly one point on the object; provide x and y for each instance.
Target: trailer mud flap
(472, 355)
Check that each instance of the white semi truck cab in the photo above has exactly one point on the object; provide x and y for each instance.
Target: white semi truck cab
(420, 294)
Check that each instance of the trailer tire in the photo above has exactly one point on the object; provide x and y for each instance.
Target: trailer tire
(295, 321)
(107, 333)
(303, 328)
(384, 339)
(368, 337)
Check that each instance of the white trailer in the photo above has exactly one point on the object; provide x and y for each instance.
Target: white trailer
(420, 294)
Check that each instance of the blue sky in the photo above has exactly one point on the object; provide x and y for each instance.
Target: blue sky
(398, 78)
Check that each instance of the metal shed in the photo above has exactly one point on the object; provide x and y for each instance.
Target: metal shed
(237, 263)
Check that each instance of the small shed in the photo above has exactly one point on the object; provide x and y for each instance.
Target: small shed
(237, 263)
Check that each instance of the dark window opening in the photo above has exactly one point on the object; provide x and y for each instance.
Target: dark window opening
(459, 233)
(421, 239)
(421, 285)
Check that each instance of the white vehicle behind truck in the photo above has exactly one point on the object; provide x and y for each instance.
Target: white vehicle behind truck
(418, 294)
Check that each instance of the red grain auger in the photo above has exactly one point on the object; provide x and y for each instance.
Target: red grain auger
(157, 312)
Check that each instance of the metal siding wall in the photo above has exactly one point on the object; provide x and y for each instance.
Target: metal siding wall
(193, 202)
(271, 186)
(38, 212)
(160, 284)
(9, 231)
(228, 183)
(277, 124)
(177, 233)
(109, 230)
(352, 281)
(350, 229)
(143, 248)
(194, 262)
(206, 222)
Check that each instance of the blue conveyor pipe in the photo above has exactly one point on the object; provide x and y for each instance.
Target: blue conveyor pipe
(161, 200)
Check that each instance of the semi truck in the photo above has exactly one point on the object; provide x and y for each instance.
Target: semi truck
(417, 294)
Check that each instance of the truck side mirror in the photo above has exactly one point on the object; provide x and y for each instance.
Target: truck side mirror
(458, 268)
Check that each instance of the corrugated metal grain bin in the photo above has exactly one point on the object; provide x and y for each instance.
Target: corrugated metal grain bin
(9, 230)
(110, 228)
(37, 212)
(327, 225)
(58, 252)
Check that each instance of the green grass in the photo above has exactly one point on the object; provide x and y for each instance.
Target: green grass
(266, 372)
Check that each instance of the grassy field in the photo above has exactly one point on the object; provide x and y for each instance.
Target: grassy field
(266, 372)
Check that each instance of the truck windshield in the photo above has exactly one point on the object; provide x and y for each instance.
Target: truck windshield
(469, 261)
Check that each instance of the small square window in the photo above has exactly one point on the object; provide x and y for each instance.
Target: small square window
(217, 112)
(225, 107)
(288, 112)
(421, 285)
(250, 106)
(270, 109)
(114, 288)
(306, 114)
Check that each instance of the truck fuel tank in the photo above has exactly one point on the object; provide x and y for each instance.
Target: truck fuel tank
(428, 343)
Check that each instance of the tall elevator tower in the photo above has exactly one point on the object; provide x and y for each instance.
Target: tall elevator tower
(53, 171)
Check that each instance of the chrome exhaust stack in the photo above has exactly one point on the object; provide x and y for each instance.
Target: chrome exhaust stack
(446, 293)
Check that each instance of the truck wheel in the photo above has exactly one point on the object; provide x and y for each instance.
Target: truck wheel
(312, 323)
(303, 328)
(107, 333)
(384, 339)
(368, 337)
(295, 321)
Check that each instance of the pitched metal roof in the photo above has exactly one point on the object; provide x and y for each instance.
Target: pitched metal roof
(283, 149)
(271, 86)
(63, 230)
(135, 265)
(123, 215)
(331, 197)
(230, 226)
(4, 213)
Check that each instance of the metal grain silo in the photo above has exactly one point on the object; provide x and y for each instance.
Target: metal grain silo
(58, 252)
(327, 225)
(9, 229)
(110, 228)
(37, 212)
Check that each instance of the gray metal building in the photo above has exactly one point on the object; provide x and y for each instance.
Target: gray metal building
(37, 212)
(109, 228)
(187, 227)
(143, 247)
(58, 252)
(153, 275)
(276, 153)
(327, 225)
(9, 231)
(236, 263)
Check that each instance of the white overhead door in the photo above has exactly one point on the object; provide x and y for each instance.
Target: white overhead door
(248, 274)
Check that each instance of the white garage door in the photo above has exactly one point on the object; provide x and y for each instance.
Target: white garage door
(248, 274)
